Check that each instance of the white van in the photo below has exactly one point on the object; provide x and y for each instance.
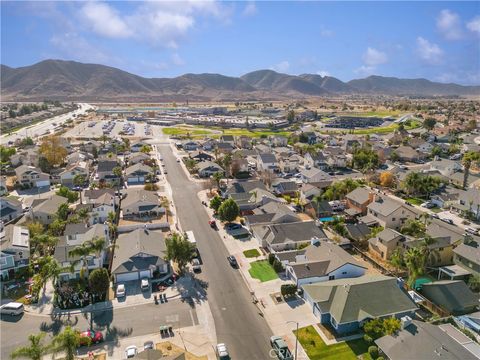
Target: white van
(13, 308)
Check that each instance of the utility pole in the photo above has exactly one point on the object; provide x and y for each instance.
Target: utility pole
(296, 338)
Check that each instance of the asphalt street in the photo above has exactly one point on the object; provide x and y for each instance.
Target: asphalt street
(238, 323)
(115, 324)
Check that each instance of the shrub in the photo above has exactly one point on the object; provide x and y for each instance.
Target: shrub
(380, 358)
(288, 289)
(277, 266)
(271, 258)
(373, 351)
(368, 339)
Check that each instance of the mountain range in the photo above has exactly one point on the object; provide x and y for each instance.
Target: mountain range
(70, 80)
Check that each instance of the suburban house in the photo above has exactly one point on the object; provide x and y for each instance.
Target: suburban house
(271, 213)
(316, 160)
(290, 164)
(267, 162)
(346, 304)
(138, 158)
(240, 187)
(89, 196)
(105, 171)
(76, 235)
(138, 173)
(470, 201)
(243, 142)
(9, 209)
(287, 236)
(385, 243)
(467, 256)
(14, 249)
(446, 197)
(453, 295)
(31, 176)
(208, 168)
(422, 340)
(316, 176)
(247, 201)
(358, 200)
(320, 261)
(45, 210)
(387, 212)
(358, 231)
(140, 254)
(190, 145)
(101, 207)
(67, 176)
(135, 147)
(286, 188)
(407, 153)
(200, 156)
(140, 204)
(308, 192)
(277, 140)
(446, 167)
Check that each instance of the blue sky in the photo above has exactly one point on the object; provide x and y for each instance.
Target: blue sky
(436, 40)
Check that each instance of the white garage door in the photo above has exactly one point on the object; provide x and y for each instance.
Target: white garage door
(145, 274)
(316, 312)
(127, 277)
(43, 183)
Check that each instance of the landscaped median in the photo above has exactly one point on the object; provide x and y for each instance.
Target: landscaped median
(316, 348)
(262, 271)
(251, 253)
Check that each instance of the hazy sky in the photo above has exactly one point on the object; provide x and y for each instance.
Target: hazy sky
(436, 40)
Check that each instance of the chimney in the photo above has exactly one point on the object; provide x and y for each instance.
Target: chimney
(405, 321)
(371, 197)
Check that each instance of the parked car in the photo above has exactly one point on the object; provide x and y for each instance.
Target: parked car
(12, 308)
(144, 284)
(148, 345)
(428, 205)
(212, 224)
(281, 348)
(471, 230)
(196, 265)
(233, 226)
(90, 337)
(120, 290)
(448, 221)
(222, 352)
(435, 216)
(131, 351)
(233, 262)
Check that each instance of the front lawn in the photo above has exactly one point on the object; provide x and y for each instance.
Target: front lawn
(251, 253)
(262, 270)
(415, 201)
(316, 349)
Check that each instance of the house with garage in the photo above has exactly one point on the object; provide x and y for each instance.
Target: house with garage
(68, 175)
(407, 153)
(243, 142)
(140, 205)
(346, 304)
(267, 162)
(308, 192)
(14, 250)
(287, 236)
(271, 213)
(105, 171)
(190, 145)
(291, 163)
(446, 167)
(137, 158)
(316, 160)
(138, 174)
(208, 168)
(256, 197)
(278, 141)
(320, 261)
(137, 146)
(101, 206)
(140, 254)
(358, 200)
(317, 177)
(10, 209)
(45, 210)
(76, 235)
(199, 156)
(387, 212)
(467, 255)
(31, 176)
(446, 197)
(285, 187)
(469, 201)
(384, 244)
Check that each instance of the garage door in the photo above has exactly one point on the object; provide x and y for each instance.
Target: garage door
(316, 312)
(145, 273)
(43, 183)
(127, 277)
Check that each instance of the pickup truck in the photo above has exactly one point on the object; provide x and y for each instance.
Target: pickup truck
(281, 348)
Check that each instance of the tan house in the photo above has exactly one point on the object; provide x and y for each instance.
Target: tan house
(385, 243)
(358, 200)
(388, 213)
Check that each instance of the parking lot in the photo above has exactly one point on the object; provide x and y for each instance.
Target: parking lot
(95, 129)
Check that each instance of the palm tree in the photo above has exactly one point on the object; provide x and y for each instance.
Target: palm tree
(83, 214)
(217, 177)
(431, 255)
(67, 342)
(43, 244)
(468, 159)
(317, 199)
(165, 203)
(227, 162)
(415, 262)
(79, 180)
(117, 171)
(83, 251)
(112, 224)
(396, 259)
(35, 351)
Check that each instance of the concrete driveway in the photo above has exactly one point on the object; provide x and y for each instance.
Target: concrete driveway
(134, 293)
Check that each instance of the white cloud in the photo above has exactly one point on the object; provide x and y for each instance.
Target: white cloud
(282, 66)
(365, 70)
(459, 77)
(474, 25)
(74, 46)
(323, 73)
(448, 23)
(326, 33)
(104, 20)
(177, 60)
(373, 57)
(429, 52)
(250, 9)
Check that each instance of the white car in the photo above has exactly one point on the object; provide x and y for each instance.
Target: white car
(222, 352)
(428, 205)
(178, 160)
(131, 352)
(144, 285)
(120, 290)
(471, 230)
(196, 265)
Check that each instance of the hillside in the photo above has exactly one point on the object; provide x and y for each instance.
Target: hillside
(70, 80)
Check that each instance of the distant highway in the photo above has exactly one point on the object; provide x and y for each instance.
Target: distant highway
(40, 128)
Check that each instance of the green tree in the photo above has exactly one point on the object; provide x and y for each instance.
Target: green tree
(474, 283)
(83, 215)
(179, 250)
(191, 165)
(469, 158)
(217, 177)
(227, 163)
(117, 171)
(365, 159)
(215, 202)
(52, 149)
(291, 116)
(43, 244)
(229, 210)
(71, 196)
(67, 342)
(146, 149)
(413, 228)
(396, 259)
(79, 180)
(429, 123)
(57, 227)
(36, 350)
(99, 282)
(415, 262)
(6, 153)
(62, 212)
(12, 113)
(94, 246)
(35, 228)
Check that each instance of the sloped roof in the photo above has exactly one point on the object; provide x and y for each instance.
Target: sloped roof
(453, 295)
(360, 195)
(289, 232)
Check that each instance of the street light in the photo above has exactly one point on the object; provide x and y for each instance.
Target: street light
(296, 338)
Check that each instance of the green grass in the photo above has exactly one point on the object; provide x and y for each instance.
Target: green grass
(251, 253)
(185, 131)
(436, 210)
(376, 130)
(316, 348)
(262, 271)
(215, 132)
(415, 201)
(379, 113)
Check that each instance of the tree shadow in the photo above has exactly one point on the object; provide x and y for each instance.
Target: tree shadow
(192, 289)
(57, 322)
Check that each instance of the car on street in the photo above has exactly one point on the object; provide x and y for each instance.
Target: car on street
(281, 348)
(12, 309)
(428, 205)
(120, 290)
(435, 216)
(131, 352)
(233, 262)
(90, 337)
(471, 230)
(233, 226)
(144, 284)
(212, 224)
(447, 220)
(178, 160)
(196, 265)
(222, 352)
(148, 345)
